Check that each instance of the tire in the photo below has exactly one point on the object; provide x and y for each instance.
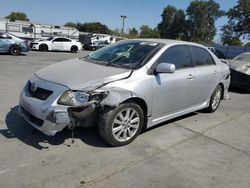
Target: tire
(215, 99)
(15, 50)
(73, 49)
(118, 132)
(43, 48)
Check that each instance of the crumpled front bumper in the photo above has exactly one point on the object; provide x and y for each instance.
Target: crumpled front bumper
(45, 115)
(48, 127)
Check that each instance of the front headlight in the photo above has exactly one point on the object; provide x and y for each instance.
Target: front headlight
(73, 98)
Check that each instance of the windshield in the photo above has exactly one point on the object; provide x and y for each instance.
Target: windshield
(126, 54)
(50, 38)
(243, 57)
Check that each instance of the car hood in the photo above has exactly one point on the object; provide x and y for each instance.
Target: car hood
(79, 74)
(240, 66)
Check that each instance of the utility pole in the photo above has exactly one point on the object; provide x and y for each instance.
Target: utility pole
(123, 22)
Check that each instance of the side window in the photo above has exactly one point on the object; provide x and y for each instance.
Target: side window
(201, 57)
(180, 56)
(57, 40)
(61, 40)
(65, 40)
(4, 36)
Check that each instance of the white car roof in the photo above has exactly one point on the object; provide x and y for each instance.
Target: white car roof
(169, 41)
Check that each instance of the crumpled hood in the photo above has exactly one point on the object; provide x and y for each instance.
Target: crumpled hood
(240, 66)
(78, 74)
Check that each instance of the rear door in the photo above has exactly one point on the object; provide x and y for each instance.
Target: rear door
(173, 92)
(206, 74)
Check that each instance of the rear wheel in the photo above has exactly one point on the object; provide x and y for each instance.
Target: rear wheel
(121, 125)
(73, 49)
(15, 50)
(215, 99)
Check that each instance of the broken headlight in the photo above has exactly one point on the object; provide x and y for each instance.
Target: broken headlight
(73, 98)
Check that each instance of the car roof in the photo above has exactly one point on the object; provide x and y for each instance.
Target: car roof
(169, 41)
(60, 37)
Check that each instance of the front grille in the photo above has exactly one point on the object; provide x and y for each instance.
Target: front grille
(31, 118)
(38, 92)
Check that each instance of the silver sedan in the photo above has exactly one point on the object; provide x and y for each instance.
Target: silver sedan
(124, 88)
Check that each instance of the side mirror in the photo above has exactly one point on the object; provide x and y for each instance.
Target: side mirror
(165, 68)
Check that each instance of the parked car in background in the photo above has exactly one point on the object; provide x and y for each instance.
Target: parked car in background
(12, 44)
(216, 52)
(240, 71)
(95, 45)
(125, 87)
(56, 44)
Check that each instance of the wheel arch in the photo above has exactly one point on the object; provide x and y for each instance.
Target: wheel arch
(13, 45)
(44, 44)
(74, 46)
(142, 104)
(223, 90)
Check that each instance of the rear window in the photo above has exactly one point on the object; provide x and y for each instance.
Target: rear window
(202, 57)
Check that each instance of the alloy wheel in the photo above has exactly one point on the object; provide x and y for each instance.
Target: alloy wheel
(125, 124)
(216, 98)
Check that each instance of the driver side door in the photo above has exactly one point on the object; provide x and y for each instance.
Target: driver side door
(173, 92)
(57, 44)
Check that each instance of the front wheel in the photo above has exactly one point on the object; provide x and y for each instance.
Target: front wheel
(121, 125)
(215, 99)
(43, 48)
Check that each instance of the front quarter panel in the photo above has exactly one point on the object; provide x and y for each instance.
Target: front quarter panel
(138, 85)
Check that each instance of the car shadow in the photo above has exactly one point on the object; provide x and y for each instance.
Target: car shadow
(58, 51)
(8, 54)
(18, 128)
(238, 90)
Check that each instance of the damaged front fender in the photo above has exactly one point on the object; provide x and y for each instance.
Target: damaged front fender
(87, 114)
(116, 96)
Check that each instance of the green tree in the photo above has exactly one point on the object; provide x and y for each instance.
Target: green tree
(240, 16)
(228, 36)
(172, 25)
(147, 32)
(92, 27)
(247, 44)
(95, 27)
(133, 33)
(201, 17)
(115, 32)
(70, 24)
(17, 16)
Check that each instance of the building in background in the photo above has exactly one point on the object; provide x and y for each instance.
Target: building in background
(31, 30)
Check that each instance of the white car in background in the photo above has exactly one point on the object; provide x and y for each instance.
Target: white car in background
(56, 44)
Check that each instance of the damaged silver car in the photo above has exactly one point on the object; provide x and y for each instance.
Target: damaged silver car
(124, 88)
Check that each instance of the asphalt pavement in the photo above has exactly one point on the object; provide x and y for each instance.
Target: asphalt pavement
(196, 150)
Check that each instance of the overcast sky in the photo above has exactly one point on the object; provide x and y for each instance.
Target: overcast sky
(108, 12)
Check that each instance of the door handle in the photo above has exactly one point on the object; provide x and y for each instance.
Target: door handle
(215, 73)
(190, 76)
